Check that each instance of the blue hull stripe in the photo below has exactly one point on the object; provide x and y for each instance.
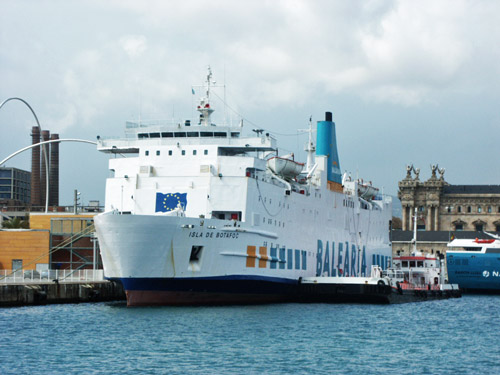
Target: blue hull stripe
(240, 284)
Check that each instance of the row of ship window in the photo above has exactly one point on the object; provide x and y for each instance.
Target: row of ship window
(348, 203)
(170, 152)
(279, 203)
(187, 135)
(276, 222)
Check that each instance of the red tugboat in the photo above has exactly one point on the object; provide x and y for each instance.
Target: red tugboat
(418, 276)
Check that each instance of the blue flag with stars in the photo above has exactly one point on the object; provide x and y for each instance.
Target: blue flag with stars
(170, 201)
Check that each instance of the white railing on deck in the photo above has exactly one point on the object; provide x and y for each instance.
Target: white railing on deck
(32, 276)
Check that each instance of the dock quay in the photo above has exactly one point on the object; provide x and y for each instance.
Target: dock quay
(31, 287)
(41, 293)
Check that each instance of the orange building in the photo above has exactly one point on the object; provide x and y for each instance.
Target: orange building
(54, 240)
(24, 248)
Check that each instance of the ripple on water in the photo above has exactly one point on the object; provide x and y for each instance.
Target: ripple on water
(457, 336)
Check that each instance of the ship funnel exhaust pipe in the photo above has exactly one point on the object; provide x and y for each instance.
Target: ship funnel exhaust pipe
(326, 145)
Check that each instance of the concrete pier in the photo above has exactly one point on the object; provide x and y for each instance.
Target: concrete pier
(65, 292)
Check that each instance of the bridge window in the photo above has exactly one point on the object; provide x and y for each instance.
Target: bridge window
(169, 152)
(194, 152)
(167, 135)
(154, 135)
(183, 152)
(146, 153)
(205, 152)
(180, 134)
(157, 152)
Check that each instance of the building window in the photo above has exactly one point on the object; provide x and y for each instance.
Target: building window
(459, 227)
(489, 209)
(169, 152)
(479, 227)
(158, 153)
(479, 209)
(146, 153)
(183, 152)
(497, 227)
(449, 208)
(420, 208)
(459, 209)
(17, 264)
(469, 209)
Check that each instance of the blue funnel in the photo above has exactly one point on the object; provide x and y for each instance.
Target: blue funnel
(326, 145)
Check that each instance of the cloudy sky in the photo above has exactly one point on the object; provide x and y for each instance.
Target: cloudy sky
(407, 81)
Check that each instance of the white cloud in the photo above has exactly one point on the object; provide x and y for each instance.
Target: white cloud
(134, 45)
(292, 54)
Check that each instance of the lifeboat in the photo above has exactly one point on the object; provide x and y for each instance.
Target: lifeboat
(367, 191)
(284, 167)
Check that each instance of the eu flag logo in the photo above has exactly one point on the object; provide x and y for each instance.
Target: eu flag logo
(170, 201)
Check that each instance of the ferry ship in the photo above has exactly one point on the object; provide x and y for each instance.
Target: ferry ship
(475, 264)
(198, 213)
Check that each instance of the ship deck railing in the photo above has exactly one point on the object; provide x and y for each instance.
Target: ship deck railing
(49, 276)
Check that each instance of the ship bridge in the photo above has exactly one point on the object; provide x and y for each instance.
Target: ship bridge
(227, 138)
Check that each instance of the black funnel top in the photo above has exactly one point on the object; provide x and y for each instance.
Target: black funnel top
(328, 116)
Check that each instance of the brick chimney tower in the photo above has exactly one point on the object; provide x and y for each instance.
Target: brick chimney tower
(35, 168)
(54, 172)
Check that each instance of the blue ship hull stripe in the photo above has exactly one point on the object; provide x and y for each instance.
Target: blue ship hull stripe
(221, 284)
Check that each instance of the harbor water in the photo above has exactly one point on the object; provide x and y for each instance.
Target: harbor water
(455, 336)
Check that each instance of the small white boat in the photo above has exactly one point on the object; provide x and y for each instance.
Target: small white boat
(285, 167)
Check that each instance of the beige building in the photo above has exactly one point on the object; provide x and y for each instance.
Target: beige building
(444, 207)
(443, 211)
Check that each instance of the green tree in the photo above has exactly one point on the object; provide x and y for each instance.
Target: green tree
(16, 223)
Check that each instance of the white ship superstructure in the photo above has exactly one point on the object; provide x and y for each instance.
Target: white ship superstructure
(198, 213)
